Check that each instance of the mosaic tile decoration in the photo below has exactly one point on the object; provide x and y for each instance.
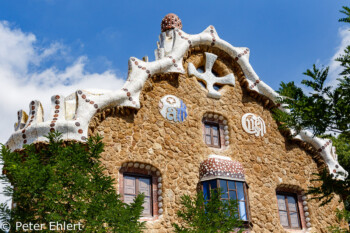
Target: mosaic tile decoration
(215, 167)
(172, 46)
(172, 108)
(171, 21)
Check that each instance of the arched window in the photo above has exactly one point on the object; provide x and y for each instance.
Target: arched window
(292, 207)
(215, 130)
(212, 134)
(135, 184)
(288, 210)
(136, 178)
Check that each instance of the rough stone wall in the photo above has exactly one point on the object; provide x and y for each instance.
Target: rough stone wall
(177, 149)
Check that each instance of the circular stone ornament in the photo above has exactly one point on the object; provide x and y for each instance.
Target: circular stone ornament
(172, 108)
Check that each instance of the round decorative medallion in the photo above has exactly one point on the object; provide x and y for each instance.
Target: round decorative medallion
(253, 124)
(172, 108)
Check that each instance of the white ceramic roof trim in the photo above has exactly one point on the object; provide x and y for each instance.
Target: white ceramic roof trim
(135, 82)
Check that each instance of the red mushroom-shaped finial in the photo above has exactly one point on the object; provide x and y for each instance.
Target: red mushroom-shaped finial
(171, 21)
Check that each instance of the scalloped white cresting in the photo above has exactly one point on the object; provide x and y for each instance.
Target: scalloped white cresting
(71, 115)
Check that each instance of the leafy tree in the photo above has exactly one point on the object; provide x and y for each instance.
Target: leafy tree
(65, 182)
(346, 11)
(326, 112)
(214, 215)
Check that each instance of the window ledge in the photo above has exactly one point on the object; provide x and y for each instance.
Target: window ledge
(248, 225)
(295, 230)
(149, 219)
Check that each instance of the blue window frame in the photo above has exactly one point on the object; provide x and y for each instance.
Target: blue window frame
(231, 190)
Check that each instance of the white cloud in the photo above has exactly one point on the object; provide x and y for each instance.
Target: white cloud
(334, 66)
(24, 76)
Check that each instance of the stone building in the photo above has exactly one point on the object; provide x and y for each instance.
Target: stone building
(196, 117)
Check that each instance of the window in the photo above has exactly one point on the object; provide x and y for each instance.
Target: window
(212, 134)
(135, 184)
(231, 190)
(288, 210)
(138, 177)
(215, 130)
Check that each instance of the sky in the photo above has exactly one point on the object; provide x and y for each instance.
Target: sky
(50, 47)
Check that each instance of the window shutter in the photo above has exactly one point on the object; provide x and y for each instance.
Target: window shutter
(129, 185)
(145, 187)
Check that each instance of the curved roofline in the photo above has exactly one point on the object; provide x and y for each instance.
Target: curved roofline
(76, 110)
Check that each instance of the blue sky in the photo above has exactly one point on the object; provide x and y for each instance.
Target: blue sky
(52, 47)
(285, 37)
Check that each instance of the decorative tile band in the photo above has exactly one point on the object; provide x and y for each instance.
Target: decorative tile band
(246, 51)
(174, 63)
(58, 112)
(212, 35)
(178, 43)
(22, 118)
(306, 212)
(35, 116)
(324, 146)
(84, 97)
(254, 84)
(214, 167)
(181, 34)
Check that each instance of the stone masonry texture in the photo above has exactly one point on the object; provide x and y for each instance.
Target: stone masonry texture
(177, 149)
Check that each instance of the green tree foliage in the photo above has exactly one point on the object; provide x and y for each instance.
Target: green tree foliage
(65, 182)
(346, 11)
(341, 215)
(326, 112)
(206, 216)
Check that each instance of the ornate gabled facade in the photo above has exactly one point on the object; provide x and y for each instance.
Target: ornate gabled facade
(198, 117)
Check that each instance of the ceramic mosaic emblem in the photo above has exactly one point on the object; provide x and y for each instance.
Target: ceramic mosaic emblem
(253, 124)
(172, 108)
(213, 168)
